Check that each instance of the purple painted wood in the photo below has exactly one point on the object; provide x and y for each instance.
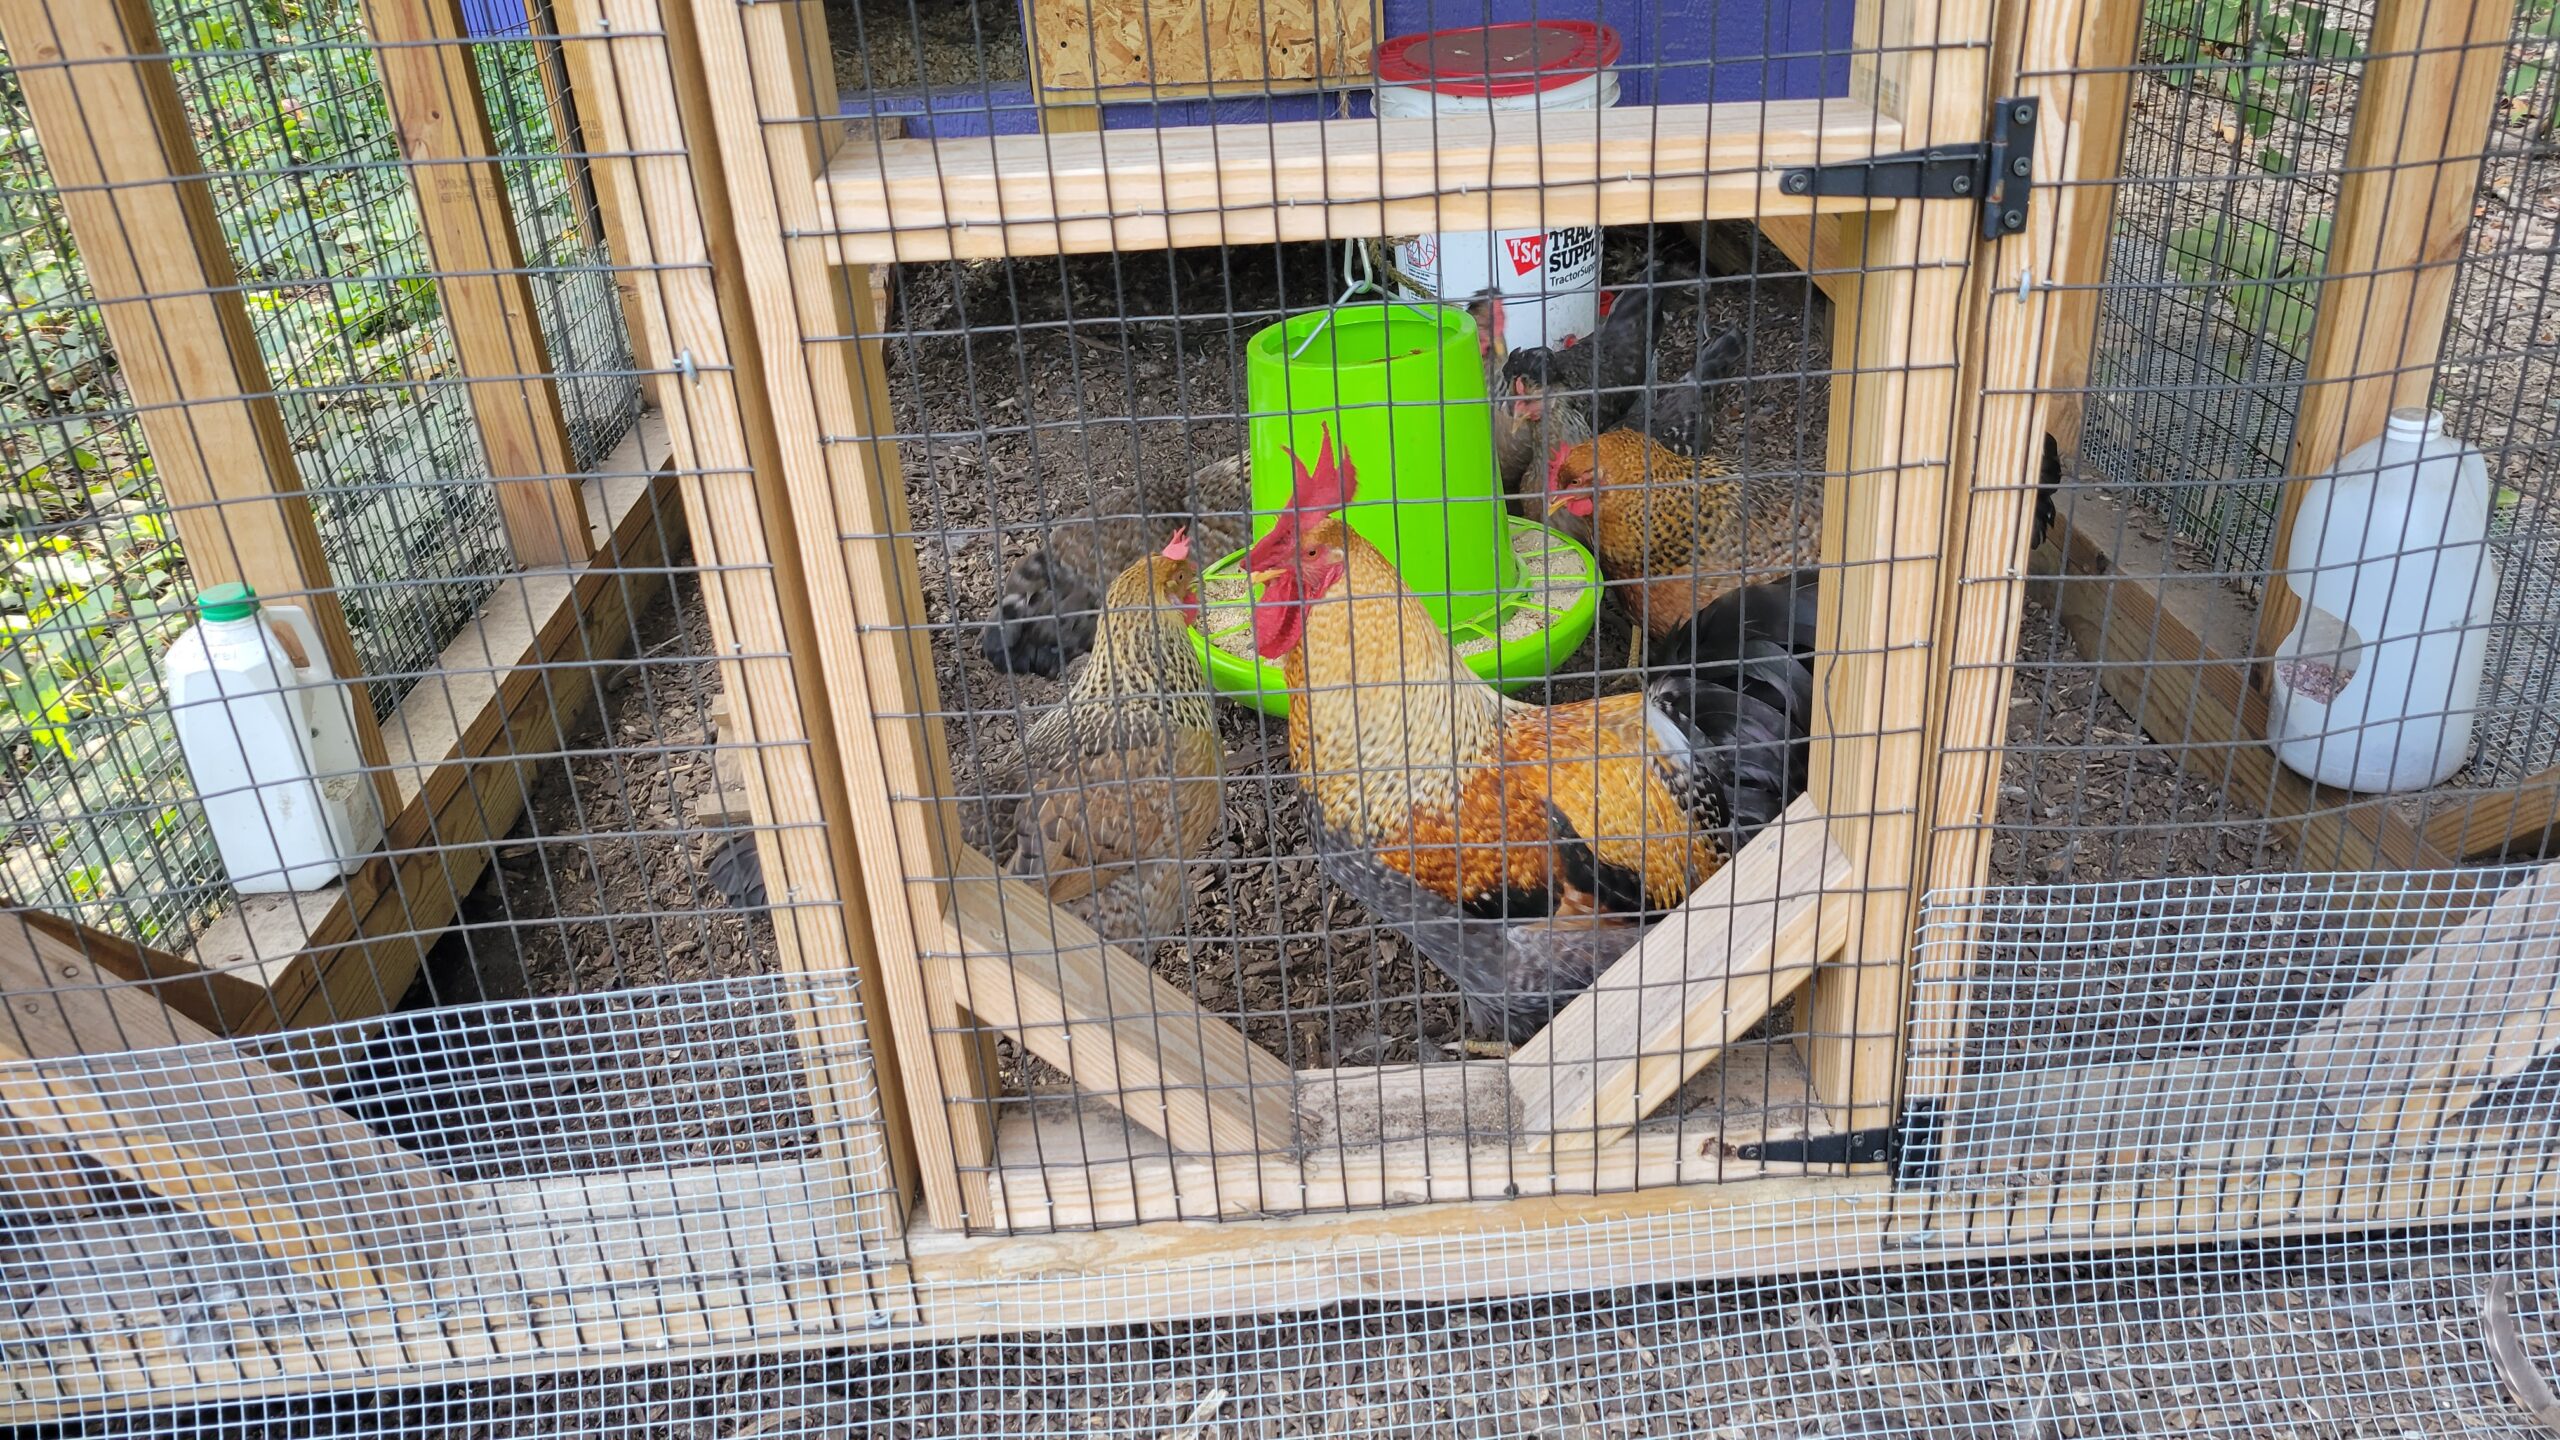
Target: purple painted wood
(1676, 52)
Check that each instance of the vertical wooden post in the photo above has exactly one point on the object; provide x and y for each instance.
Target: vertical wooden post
(2413, 162)
(829, 390)
(479, 260)
(611, 170)
(1895, 348)
(644, 96)
(107, 112)
(2021, 350)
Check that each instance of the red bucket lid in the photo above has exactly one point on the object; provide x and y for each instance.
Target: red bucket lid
(1513, 59)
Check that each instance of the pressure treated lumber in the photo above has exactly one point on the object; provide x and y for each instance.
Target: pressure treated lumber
(1711, 970)
(1813, 243)
(1391, 1135)
(2427, 1039)
(839, 483)
(106, 109)
(1897, 341)
(976, 197)
(443, 122)
(652, 101)
(1118, 1030)
(74, 953)
(2471, 825)
(209, 1130)
(2423, 107)
(2021, 351)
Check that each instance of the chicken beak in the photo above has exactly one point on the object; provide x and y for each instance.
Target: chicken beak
(1261, 578)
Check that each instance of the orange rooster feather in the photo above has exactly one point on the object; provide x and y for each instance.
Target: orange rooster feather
(1520, 847)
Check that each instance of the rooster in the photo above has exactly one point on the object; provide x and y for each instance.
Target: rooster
(1121, 790)
(1049, 602)
(1671, 533)
(1520, 848)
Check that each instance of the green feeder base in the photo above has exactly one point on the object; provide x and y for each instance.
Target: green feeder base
(1534, 625)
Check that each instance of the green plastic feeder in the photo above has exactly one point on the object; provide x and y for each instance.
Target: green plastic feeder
(1401, 386)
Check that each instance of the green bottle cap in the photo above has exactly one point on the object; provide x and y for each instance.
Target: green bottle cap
(234, 601)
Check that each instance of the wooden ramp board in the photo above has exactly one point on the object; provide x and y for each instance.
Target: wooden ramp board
(741, 1257)
(2418, 1046)
(978, 197)
(209, 1130)
(1098, 1013)
(1712, 969)
(1391, 1135)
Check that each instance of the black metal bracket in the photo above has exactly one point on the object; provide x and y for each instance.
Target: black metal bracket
(1910, 1148)
(1999, 174)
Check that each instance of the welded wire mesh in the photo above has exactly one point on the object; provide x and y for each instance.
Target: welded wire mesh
(2236, 144)
(642, 1032)
(296, 137)
(2234, 141)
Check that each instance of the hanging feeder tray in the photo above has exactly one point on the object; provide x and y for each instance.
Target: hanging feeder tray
(1401, 385)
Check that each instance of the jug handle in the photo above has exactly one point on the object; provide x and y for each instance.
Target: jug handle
(292, 627)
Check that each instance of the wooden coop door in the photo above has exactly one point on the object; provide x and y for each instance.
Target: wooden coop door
(1151, 1106)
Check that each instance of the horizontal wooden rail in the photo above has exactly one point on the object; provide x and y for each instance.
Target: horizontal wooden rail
(977, 197)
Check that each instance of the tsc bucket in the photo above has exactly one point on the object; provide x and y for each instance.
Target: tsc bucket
(1549, 280)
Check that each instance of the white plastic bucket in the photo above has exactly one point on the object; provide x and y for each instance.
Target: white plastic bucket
(1549, 280)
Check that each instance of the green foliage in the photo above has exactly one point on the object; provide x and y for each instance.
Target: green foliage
(2538, 51)
(295, 133)
(2251, 52)
(2268, 283)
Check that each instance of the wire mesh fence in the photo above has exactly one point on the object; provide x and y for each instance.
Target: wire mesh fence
(1214, 626)
(292, 125)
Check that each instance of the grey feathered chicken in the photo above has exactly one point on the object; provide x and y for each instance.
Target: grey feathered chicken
(1121, 780)
(1050, 600)
(1565, 396)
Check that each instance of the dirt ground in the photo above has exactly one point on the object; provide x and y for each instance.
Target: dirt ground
(2307, 1340)
(1032, 388)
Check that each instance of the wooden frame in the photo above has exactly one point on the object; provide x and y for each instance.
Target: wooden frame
(434, 86)
(775, 413)
(1006, 961)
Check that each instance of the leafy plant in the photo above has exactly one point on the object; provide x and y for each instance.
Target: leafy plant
(2252, 52)
(2538, 29)
(2268, 282)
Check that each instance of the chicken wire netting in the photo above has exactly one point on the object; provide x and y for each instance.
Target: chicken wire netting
(2236, 144)
(294, 132)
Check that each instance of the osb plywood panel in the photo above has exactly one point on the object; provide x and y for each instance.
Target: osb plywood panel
(1159, 44)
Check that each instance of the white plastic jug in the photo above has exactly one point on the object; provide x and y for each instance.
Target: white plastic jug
(271, 744)
(2377, 684)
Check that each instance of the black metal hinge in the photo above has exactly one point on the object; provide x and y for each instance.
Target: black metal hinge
(1997, 174)
(1910, 1148)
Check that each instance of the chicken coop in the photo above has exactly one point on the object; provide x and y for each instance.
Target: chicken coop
(1190, 719)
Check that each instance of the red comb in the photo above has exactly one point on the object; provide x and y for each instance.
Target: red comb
(1555, 462)
(1179, 547)
(1607, 299)
(1326, 488)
